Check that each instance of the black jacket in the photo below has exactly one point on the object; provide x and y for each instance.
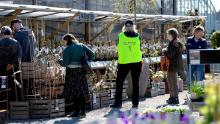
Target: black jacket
(10, 51)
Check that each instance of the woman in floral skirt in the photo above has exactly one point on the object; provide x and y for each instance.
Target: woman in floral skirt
(76, 87)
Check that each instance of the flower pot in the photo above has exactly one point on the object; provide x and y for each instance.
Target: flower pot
(193, 96)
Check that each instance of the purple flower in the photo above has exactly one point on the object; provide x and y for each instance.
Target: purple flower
(136, 115)
(184, 119)
(152, 115)
(144, 117)
(125, 121)
(163, 116)
(122, 115)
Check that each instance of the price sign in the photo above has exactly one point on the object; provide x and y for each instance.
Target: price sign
(194, 56)
(86, 17)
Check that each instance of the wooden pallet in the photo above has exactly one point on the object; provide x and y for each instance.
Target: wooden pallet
(19, 110)
(47, 108)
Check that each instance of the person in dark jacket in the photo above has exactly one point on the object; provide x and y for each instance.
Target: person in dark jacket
(174, 54)
(129, 59)
(10, 54)
(197, 42)
(76, 87)
(26, 39)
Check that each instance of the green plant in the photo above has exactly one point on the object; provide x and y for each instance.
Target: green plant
(198, 89)
(215, 39)
(174, 109)
(211, 110)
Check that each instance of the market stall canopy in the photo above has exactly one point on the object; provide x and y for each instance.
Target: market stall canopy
(55, 13)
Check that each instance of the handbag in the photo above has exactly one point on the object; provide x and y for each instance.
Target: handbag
(164, 63)
(85, 63)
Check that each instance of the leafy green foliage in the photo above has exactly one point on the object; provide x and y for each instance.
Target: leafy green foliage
(198, 89)
(215, 39)
(211, 111)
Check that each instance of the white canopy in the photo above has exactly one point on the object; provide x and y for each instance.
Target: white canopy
(54, 13)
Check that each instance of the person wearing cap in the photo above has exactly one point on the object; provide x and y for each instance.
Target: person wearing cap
(10, 53)
(26, 39)
(129, 59)
(197, 42)
(174, 53)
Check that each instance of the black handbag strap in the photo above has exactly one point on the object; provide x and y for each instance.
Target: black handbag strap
(84, 52)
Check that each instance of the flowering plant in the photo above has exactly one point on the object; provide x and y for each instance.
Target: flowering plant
(158, 76)
(153, 116)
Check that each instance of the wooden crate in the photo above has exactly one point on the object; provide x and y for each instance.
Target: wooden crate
(162, 88)
(40, 109)
(3, 116)
(104, 99)
(95, 101)
(154, 92)
(47, 108)
(185, 86)
(57, 108)
(19, 110)
(180, 85)
(101, 99)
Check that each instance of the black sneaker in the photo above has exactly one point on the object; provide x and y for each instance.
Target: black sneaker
(75, 115)
(82, 115)
(173, 101)
(135, 106)
(115, 106)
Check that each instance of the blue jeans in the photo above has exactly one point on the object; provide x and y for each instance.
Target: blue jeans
(197, 72)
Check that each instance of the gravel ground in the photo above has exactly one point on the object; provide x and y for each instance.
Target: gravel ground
(102, 115)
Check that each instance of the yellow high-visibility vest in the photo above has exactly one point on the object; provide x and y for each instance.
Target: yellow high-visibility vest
(129, 49)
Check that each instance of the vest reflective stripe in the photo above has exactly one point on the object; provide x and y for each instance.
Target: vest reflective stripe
(129, 49)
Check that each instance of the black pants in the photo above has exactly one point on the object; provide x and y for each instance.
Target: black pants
(123, 70)
(79, 104)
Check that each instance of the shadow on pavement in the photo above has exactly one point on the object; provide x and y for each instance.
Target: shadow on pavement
(117, 113)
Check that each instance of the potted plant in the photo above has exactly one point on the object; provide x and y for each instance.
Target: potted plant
(197, 92)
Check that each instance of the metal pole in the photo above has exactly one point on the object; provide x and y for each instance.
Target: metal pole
(135, 11)
(34, 2)
(174, 7)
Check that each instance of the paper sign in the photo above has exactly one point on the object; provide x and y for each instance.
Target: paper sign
(94, 98)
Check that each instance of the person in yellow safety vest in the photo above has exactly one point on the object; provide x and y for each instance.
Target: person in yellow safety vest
(129, 59)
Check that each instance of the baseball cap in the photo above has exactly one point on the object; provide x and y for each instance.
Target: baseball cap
(129, 23)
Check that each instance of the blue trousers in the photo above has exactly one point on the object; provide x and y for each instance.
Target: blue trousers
(197, 72)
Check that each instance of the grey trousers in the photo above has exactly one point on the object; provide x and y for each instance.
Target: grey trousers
(172, 84)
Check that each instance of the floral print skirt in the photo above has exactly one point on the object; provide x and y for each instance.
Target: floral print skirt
(75, 84)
